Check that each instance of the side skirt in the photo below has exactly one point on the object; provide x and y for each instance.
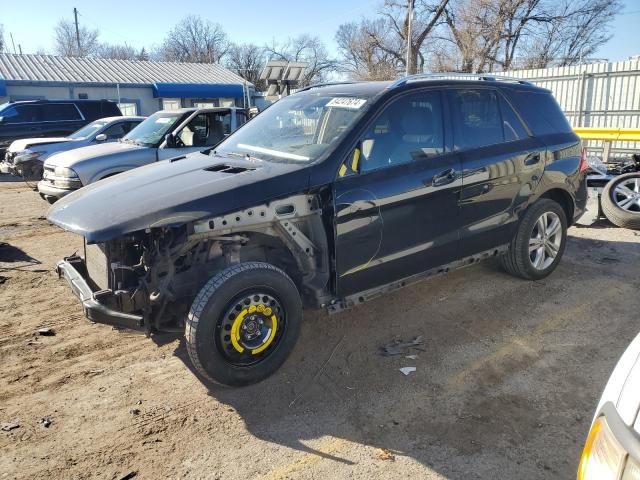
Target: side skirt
(337, 305)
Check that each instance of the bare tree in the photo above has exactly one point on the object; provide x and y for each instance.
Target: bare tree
(1, 38)
(507, 34)
(195, 40)
(65, 41)
(117, 52)
(361, 58)
(143, 55)
(304, 48)
(247, 60)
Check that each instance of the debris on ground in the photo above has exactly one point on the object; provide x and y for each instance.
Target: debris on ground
(411, 357)
(134, 411)
(94, 372)
(398, 347)
(127, 476)
(45, 422)
(385, 454)
(408, 370)
(8, 426)
(3, 279)
(46, 332)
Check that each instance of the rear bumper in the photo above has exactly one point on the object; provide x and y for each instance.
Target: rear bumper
(73, 270)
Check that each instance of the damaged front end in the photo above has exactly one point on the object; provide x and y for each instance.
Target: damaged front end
(147, 280)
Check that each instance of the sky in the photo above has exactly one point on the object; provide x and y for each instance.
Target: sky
(144, 22)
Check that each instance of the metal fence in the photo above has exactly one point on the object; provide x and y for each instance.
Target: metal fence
(602, 95)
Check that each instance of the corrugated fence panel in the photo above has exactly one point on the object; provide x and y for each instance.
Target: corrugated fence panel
(594, 95)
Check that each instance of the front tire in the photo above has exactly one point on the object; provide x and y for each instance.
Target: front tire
(539, 243)
(621, 201)
(243, 324)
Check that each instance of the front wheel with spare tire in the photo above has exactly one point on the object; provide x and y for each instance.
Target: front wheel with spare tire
(243, 324)
(620, 201)
(539, 243)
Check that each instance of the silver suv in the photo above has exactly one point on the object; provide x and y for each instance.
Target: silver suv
(163, 135)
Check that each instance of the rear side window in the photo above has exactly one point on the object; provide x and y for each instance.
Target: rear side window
(110, 109)
(56, 112)
(21, 114)
(476, 117)
(513, 128)
(540, 111)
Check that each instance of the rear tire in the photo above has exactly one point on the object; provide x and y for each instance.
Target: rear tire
(243, 324)
(539, 243)
(622, 191)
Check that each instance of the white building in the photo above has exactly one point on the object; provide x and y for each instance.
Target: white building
(140, 87)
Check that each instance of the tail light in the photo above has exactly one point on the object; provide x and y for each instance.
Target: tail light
(584, 165)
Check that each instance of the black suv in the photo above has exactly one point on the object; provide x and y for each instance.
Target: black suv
(330, 197)
(49, 118)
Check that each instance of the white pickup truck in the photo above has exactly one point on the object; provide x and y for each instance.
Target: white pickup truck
(165, 134)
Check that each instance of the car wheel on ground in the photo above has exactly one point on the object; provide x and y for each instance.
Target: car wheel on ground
(243, 324)
(620, 201)
(539, 243)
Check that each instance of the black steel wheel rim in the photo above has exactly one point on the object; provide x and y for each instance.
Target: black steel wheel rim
(251, 328)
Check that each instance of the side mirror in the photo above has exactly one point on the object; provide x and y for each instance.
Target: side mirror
(101, 137)
(253, 111)
(170, 140)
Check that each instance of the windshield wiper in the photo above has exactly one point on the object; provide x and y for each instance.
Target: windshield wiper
(243, 155)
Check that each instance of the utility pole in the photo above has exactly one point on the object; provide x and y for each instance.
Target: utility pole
(75, 14)
(13, 43)
(409, 22)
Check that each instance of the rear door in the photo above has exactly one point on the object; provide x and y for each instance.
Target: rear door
(397, 214)
(501, 165)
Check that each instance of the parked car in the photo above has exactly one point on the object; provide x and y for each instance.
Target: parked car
(49, 118)
(26, 157)
(614, 190)
(330, 197)
(612, 449)
(163, 135)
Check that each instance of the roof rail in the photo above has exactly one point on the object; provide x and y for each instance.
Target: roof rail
(455, 75)
(326, 84)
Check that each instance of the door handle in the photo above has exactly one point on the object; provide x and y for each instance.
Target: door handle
(532, 159)
(443, 178)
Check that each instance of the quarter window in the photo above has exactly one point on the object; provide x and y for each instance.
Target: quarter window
(128, 109)
(410, 129)
(476, 117)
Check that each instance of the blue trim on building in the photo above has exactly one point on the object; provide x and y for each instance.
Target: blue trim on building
(3, 88)
(197, 90)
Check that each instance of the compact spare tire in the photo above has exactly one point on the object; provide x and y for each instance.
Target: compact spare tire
(539, 243)
(620, 201)
(243, 324)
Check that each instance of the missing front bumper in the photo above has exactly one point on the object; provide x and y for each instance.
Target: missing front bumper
(73, 270)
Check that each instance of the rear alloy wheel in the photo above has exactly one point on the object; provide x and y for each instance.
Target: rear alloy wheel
(243, 324)
(621, 201)
(539, 243)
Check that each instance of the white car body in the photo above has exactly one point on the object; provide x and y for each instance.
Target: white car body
(612, 449)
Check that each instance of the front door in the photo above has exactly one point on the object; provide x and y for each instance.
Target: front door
(396, 211)
(204, 130)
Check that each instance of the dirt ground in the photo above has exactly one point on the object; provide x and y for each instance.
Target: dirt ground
(505, 388)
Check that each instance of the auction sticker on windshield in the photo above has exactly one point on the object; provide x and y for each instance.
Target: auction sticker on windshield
(346, 102)
(164, 119)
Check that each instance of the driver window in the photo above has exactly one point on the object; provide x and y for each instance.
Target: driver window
(115, 131)
(410, 129)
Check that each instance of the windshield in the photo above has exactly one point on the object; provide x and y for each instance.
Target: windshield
(153, 129)
(87, 130)
(296, 129)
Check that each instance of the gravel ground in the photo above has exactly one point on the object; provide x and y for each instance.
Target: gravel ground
(505, 387)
